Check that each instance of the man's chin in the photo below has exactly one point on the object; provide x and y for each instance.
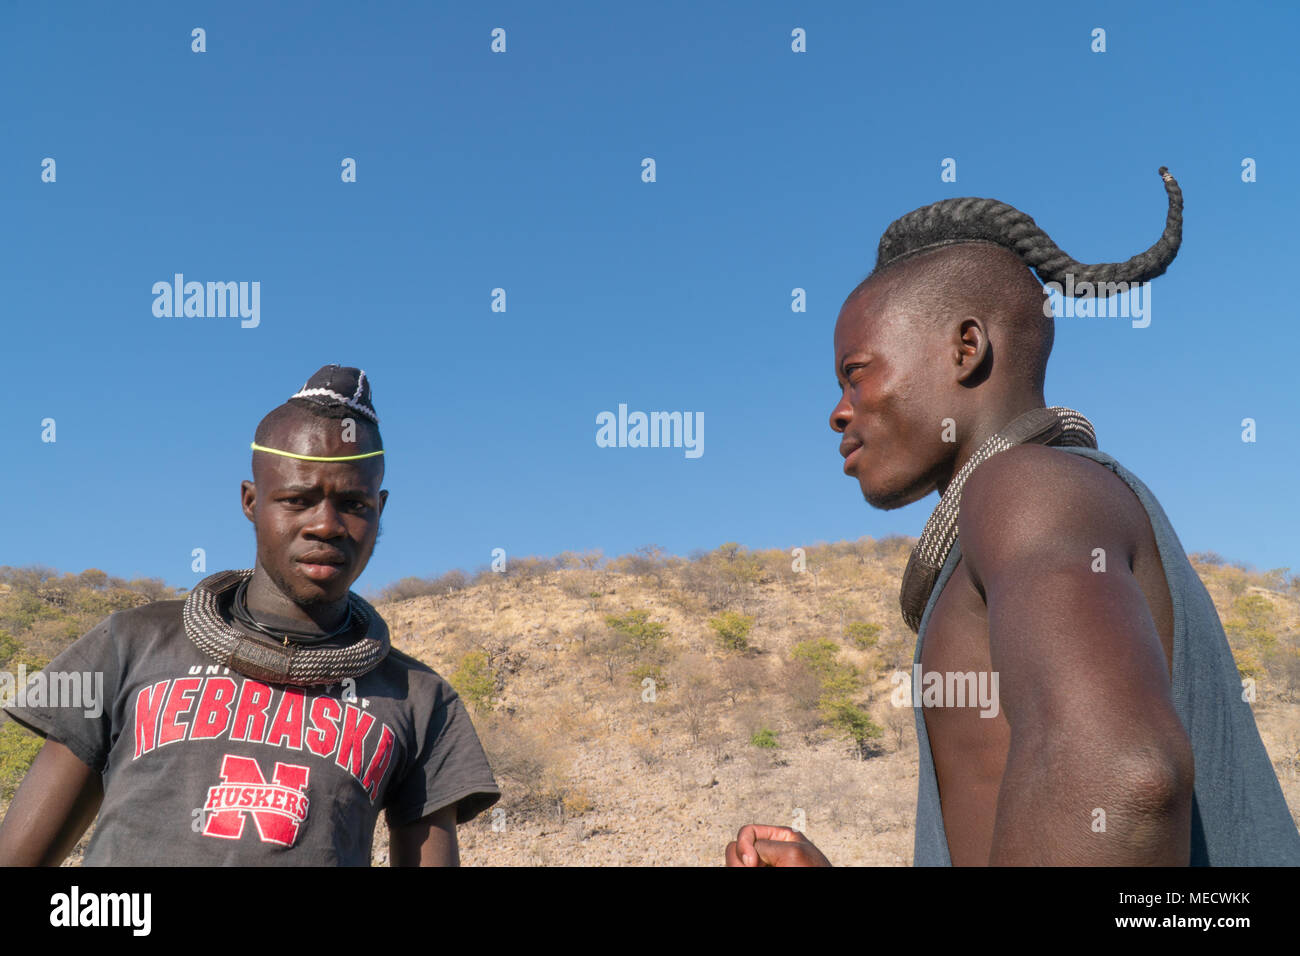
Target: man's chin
(317, 598)
(891, 499)
(306, 592)
(323, 594)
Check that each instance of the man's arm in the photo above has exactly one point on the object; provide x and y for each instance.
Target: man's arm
(429, 841)
(1083, 680)
(55, 803)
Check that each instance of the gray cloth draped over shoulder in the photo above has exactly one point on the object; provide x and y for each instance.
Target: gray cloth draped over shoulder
(1239, 814)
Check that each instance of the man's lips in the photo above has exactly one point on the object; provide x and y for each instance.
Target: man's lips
(322, 565)
(851, 452)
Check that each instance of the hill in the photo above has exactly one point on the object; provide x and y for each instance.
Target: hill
(638, 710)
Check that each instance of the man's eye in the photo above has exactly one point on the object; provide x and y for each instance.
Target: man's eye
(851, 369)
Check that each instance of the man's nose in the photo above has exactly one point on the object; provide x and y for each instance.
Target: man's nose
(841, 415)
(325, 521)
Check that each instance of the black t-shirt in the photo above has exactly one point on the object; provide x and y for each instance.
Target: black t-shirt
(203, 766)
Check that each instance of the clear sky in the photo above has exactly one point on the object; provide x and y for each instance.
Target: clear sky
(522, 170)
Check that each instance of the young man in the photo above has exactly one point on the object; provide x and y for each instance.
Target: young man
(1121, 736)
(264, 719)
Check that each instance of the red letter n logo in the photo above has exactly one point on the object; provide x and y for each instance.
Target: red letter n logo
(278, 807)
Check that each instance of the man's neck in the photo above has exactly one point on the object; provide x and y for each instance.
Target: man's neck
(265, 600)
(987, 423)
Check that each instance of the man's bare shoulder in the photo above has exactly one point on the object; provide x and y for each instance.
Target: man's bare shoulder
(1034, 499)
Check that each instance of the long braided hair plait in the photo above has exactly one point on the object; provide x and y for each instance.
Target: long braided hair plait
(970, 219)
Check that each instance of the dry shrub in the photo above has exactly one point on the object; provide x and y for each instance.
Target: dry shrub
(644, 745)
(531, 765)
(578, 801)
(741, 678)
(413, 587)
(901, 724)
(695, 693)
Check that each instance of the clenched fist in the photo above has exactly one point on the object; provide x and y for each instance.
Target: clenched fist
(759, 845)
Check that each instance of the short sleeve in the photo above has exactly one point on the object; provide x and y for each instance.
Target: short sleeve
(449, 767)
(71, 699)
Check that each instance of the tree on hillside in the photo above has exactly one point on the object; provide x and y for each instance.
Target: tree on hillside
(475, 680)
(732, 630)
(632, 638)
(839, 683)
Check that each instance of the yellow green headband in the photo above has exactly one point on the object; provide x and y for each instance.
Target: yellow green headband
(288, 454)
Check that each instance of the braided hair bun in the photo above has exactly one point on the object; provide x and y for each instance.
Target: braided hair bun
(970, 219)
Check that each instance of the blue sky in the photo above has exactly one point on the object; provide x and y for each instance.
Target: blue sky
(522, 170)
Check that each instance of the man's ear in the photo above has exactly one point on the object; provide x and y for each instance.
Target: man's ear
(383, 500)
(972, 348)
(248, 499)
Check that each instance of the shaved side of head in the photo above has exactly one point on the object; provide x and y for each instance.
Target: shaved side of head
(945, 284)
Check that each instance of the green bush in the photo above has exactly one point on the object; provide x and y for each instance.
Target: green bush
(642, 633)
(654, 671)
(839, 683)
(29, 661)
(863, 634)
(764, 740)
(855, 723)
(838, 679)
(632, 640)
(21, 609)
(732, 630)
(1253, 619)
(475, 680)
(818, 656)
(1249, 664)
(8, 647)
(740, 567)
(18, 748)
